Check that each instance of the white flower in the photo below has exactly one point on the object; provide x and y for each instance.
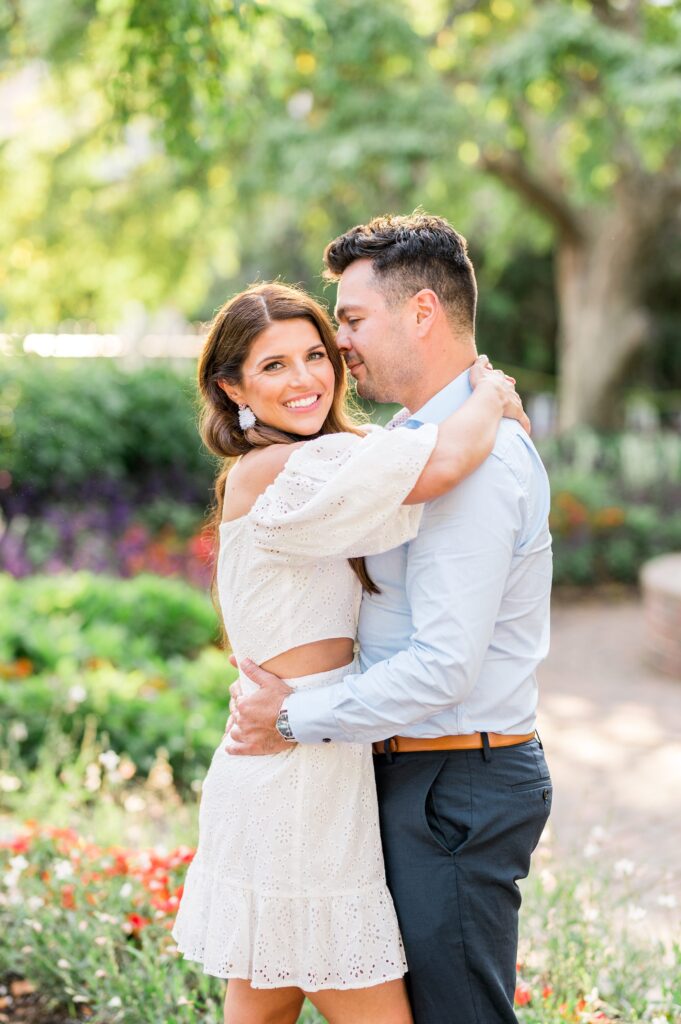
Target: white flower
(126, 890)
(590, 913)
(624, 868)
(667, 900)
(591, 849)
(81, 999)
(635, 913)
(93, 778)
(35, 902)
(106, 918)
(598, 834)
(659, 1020)
(115, 1002)
(583, 892)
(77, 694)
(9, 783)
(82, 926)
(27, 949)
(100, 973)
(300, 104)
(63, 869)
(64, 964)
(18, 732)
(109, 760)
(18, 864)
(134, 803)
(101, 940)
(548, 880)
(35, 925)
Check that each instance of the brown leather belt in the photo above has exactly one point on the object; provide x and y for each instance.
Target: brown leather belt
(468, 741)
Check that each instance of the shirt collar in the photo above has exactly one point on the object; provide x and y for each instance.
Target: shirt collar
(446, 401)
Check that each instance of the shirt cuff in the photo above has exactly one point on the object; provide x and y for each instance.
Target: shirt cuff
(311, 714)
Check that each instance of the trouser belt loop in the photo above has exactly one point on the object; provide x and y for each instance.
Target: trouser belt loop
(539, 739)
(486, 749)
(389, 746)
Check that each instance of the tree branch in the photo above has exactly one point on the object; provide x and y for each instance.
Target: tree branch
(514, 173)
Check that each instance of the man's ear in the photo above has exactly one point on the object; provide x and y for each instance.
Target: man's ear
(232, 392)
(427, 308)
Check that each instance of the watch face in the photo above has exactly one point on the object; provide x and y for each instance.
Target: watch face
(283, 728)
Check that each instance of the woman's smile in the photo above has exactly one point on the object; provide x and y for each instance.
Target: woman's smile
(306, 403)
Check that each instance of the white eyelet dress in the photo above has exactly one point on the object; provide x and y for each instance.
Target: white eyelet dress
(287, 887)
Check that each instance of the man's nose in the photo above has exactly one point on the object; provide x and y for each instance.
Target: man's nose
(343, 339)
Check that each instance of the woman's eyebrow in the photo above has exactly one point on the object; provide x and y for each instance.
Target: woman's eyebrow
(271, 359)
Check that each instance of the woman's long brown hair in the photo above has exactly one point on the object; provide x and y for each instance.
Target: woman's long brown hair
(232, 333)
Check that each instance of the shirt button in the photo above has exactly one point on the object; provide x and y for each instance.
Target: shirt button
(327, 739)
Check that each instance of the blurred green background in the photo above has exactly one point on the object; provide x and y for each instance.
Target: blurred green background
(155, 157)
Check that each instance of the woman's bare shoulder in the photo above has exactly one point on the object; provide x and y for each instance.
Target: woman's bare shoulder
(252, 475)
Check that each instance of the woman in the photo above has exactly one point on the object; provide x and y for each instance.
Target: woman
(286, 896)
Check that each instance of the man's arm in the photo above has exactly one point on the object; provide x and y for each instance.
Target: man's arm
(457, 570)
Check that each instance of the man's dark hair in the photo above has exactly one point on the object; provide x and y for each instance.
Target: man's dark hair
(408, 254)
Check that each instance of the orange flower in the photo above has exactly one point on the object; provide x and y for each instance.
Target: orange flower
(547, 992)
(608, 518)
(20, 668)
(68, 900)
(523, 994)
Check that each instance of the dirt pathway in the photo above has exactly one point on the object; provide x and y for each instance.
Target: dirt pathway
(611, 728)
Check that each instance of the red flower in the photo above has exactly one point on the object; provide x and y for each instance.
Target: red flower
(202, 546)
(136, 923)
(523, 994)
(18, 845)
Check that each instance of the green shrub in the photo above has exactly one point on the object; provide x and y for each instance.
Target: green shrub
(72, 618)
(180, 708)
(616, 502)
(70, 427)
(132, 663)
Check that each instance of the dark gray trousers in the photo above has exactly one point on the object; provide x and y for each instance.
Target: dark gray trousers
(458, 828)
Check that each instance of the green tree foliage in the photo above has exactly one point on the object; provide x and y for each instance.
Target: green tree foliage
(172, 152)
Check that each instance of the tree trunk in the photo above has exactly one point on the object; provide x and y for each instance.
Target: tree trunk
(602, 320)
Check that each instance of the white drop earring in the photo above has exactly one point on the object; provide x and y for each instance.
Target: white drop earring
(246, 417)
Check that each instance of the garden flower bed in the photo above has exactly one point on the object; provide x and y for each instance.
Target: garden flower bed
(87, 927)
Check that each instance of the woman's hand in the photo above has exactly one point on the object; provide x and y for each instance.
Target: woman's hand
(235, 691)
(483, 374)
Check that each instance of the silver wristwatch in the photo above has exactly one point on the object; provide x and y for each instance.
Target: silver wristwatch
(283, 727)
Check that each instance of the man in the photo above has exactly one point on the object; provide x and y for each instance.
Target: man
(450, 645)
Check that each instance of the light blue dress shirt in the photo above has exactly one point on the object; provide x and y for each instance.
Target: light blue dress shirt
(452, 642)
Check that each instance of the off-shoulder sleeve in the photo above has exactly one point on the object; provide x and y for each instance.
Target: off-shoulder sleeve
(341, 495)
